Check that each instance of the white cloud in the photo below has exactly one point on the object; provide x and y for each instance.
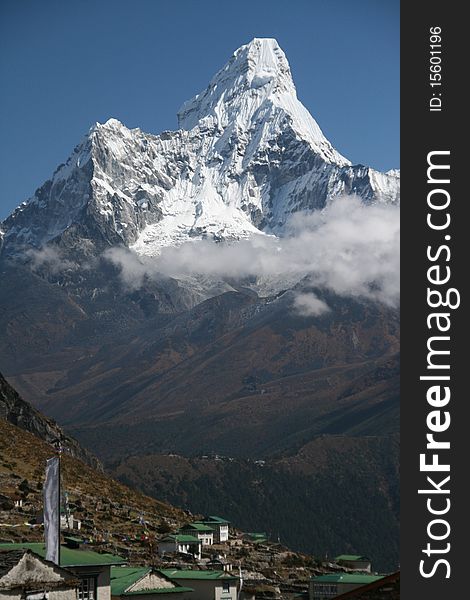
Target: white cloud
(50, 257)
(350, 248)
(134, 268)
(308, 305)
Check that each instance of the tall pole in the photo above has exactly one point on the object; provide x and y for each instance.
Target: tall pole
(59, 495)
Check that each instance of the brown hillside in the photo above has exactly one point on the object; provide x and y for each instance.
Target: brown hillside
(109, 511)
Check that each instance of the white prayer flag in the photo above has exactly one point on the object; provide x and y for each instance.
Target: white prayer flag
(52, 511)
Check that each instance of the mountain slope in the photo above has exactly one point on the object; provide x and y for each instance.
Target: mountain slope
(18, 412)
(24, 455)
(232, 355)
(336, 494)
(109, 511)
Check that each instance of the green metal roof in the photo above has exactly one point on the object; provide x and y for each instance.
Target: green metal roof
(124, 577)
(197, 526)
(71, 538)
(70, 557)
(351, 557)
(179, 537)
(216, 520)
(346, 578)
(189, 574)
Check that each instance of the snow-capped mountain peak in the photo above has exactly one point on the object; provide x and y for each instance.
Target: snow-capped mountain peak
(254, 89)
(256, 70)
(247, 155)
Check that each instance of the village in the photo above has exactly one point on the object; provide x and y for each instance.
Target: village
(72, 532)
(203, 559)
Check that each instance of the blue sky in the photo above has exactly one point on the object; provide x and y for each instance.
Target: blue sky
(67, 64)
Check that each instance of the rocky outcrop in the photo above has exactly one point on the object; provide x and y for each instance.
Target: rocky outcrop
(18, 412)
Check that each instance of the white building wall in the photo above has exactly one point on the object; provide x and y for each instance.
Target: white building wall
(71, 594)
(230, 595)
(207, 539)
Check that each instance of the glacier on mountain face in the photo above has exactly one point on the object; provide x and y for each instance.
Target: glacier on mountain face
(247, 155)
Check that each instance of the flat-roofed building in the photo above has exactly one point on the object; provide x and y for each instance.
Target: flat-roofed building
(325, 587)
(386, 588)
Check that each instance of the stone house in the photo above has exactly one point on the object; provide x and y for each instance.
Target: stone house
(26, 576)
(91, 569)
(145, 583)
